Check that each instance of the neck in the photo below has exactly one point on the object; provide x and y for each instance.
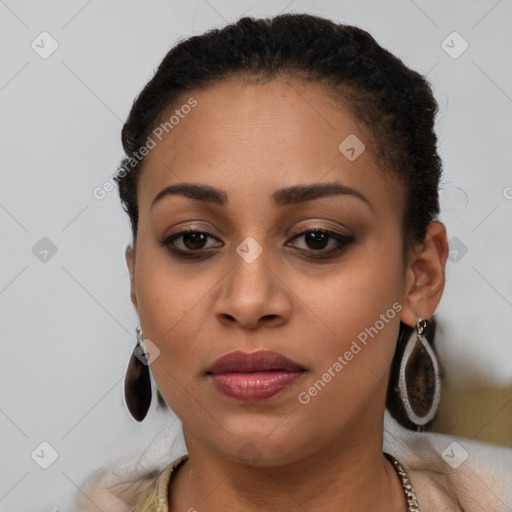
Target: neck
(353, 476)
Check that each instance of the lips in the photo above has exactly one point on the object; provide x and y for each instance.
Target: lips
(255, 376)
(246, 362)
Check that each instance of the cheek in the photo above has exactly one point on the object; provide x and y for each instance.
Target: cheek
(359, 314)
(167, 304)
(170, 308)
(167, 292)
(356, 297)
(351, 362)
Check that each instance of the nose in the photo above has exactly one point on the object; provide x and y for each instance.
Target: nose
(253, 294)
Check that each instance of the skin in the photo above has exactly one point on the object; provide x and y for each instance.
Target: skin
(249, 140)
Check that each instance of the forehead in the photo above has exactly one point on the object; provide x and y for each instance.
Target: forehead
(259, 137)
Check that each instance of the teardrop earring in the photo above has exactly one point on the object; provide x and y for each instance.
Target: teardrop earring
(415, 382)
(137, 385)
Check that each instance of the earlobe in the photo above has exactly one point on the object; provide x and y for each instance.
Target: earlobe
(426, 275)
(129, 255)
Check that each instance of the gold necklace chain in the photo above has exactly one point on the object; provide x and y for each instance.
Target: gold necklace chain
(410, 494)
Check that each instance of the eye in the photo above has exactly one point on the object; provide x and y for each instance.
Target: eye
(318, 240)
(191, 241)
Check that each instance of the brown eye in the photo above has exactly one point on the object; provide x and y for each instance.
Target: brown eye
(192, 243)
(188, 241)
(318, 239)
(194, 240)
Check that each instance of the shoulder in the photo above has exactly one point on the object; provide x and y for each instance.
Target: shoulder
(453, 473)
(114, 489)
(120, 483)
(155, 498)
(117, 489)
(105, 490)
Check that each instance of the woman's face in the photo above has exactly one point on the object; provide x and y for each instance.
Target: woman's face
(255, 282)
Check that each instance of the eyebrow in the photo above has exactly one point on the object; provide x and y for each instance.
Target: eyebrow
(282, 197)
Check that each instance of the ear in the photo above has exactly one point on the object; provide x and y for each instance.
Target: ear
(129, 255)
(425, 275)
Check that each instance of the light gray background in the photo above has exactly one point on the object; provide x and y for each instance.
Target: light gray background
(68, 324)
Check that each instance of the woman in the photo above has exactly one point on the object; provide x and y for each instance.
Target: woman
(281, 181)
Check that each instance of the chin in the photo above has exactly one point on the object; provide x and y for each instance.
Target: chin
(263, 450)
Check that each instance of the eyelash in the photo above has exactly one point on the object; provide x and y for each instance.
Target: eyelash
(343, 241)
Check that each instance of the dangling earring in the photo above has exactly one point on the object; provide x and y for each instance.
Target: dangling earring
(415, 382)
(137, 384)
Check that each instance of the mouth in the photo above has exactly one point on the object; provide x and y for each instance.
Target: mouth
(253, 376)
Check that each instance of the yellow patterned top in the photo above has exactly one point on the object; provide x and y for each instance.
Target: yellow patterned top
(155, 498)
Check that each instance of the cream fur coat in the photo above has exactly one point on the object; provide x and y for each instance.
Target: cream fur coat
(448, 473)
